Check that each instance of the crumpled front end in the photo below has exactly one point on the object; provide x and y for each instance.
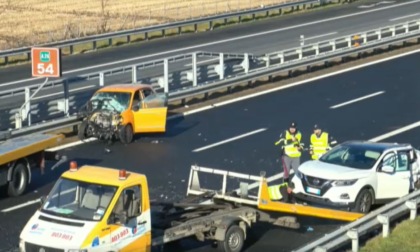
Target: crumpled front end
(104, 124)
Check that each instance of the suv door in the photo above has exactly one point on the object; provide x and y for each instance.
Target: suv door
(396, 182)
(150, 114)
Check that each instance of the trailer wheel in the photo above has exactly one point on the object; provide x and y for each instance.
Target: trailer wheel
(19, 180)
(82, 132)
(126, 134)
(234, 240)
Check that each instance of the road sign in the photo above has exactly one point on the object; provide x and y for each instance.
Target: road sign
(46, 62)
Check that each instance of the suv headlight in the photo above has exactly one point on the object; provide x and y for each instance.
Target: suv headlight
(344, 182)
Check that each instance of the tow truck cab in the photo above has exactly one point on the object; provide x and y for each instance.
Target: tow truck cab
(92, 209)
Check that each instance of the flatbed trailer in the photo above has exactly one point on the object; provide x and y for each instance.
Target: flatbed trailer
(19, 155)
(260, 199)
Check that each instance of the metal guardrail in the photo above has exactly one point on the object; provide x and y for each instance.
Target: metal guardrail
(162, 28)
(198, 78)
(353, 231)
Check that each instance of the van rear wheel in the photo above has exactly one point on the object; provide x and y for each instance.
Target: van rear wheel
(234, 240)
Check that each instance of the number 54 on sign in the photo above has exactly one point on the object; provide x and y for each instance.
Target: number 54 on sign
(46, 62)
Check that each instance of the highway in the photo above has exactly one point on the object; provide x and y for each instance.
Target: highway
(252, 37)
(361, 104)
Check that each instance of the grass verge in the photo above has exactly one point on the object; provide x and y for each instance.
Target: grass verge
(404, 238)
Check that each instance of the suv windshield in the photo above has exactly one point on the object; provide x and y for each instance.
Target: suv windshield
(78, 200)
(118, 101)
(359, 157)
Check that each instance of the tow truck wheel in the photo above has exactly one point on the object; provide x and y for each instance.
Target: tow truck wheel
(19, 181)
(363, 201)
(234, 240)
(126, 134)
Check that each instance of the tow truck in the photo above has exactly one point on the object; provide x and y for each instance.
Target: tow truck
(20, 155)
(95, 208)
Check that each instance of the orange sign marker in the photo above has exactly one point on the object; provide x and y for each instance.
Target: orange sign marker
(46, 62)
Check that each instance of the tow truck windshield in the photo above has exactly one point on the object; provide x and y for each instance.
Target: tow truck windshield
(78, 200)
(358, 157)
(118, 101)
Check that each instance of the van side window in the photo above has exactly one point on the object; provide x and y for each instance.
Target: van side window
(136, 99)
(129, 201)
(147, 92)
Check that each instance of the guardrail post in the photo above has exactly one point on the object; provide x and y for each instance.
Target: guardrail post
(222, 66)
(364, 37)
(281, 57)
(245, 63)
(166, 75)
(333, 45)
(384, 220)
(316, 47)
(412, 205)
(134, 74)
(379, 34)
(393, 32)
(300, 51)
(18, 121)
(406, 27)
(66, 97)
(302, 40)
(101, 79)
(27, 110)
(194, 69)
(353, 234)
(349, 42)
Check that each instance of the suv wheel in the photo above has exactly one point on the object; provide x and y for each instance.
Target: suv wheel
(364, 201)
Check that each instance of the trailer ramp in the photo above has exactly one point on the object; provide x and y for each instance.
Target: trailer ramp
(256, 194)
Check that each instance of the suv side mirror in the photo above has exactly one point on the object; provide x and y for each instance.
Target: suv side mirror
(387, 169)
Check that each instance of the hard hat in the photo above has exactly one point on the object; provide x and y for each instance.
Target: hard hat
(316, 127)
(293, 125)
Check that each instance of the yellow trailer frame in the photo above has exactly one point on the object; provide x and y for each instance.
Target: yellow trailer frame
(262, 200)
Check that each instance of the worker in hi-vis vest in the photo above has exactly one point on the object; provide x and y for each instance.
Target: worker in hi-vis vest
(282, 192)
(321, 142)
(291, 150)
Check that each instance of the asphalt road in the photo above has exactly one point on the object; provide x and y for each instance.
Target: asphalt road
(336, 103)
(253, 37)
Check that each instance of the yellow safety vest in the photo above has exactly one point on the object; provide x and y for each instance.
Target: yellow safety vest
(274, 191)
(290, 149)
(319, 145)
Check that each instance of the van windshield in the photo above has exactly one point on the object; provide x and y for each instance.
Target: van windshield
(115, 101)
(78, 200)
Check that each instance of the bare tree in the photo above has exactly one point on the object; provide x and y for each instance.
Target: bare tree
(105, 16)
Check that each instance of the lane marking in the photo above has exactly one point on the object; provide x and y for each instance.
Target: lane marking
(230, 140)
(20, 206)
(403, 17)
(72, 144)
(320, 36)
(58, 93)
(220, 104)
(224, 40)
(357, 100)
(396, 132)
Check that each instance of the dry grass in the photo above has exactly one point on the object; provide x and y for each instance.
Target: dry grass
(28, 22)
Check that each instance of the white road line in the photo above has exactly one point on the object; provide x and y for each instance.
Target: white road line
(230, 140)
(20, 206)
(396, 132)
(403, 17)
(320, 36)
(356, 100)
(58, 93)
(225, 40)
(72, 144)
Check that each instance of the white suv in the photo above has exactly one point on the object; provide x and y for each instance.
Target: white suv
(357, 174)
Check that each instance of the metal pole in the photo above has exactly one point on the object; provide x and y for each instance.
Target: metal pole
(165, 75)
(134, 71)
(66, 97)
(222, 66)
(28, 98)
(194, 69)
(27, 113)
(302, 40)
(101, 79)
